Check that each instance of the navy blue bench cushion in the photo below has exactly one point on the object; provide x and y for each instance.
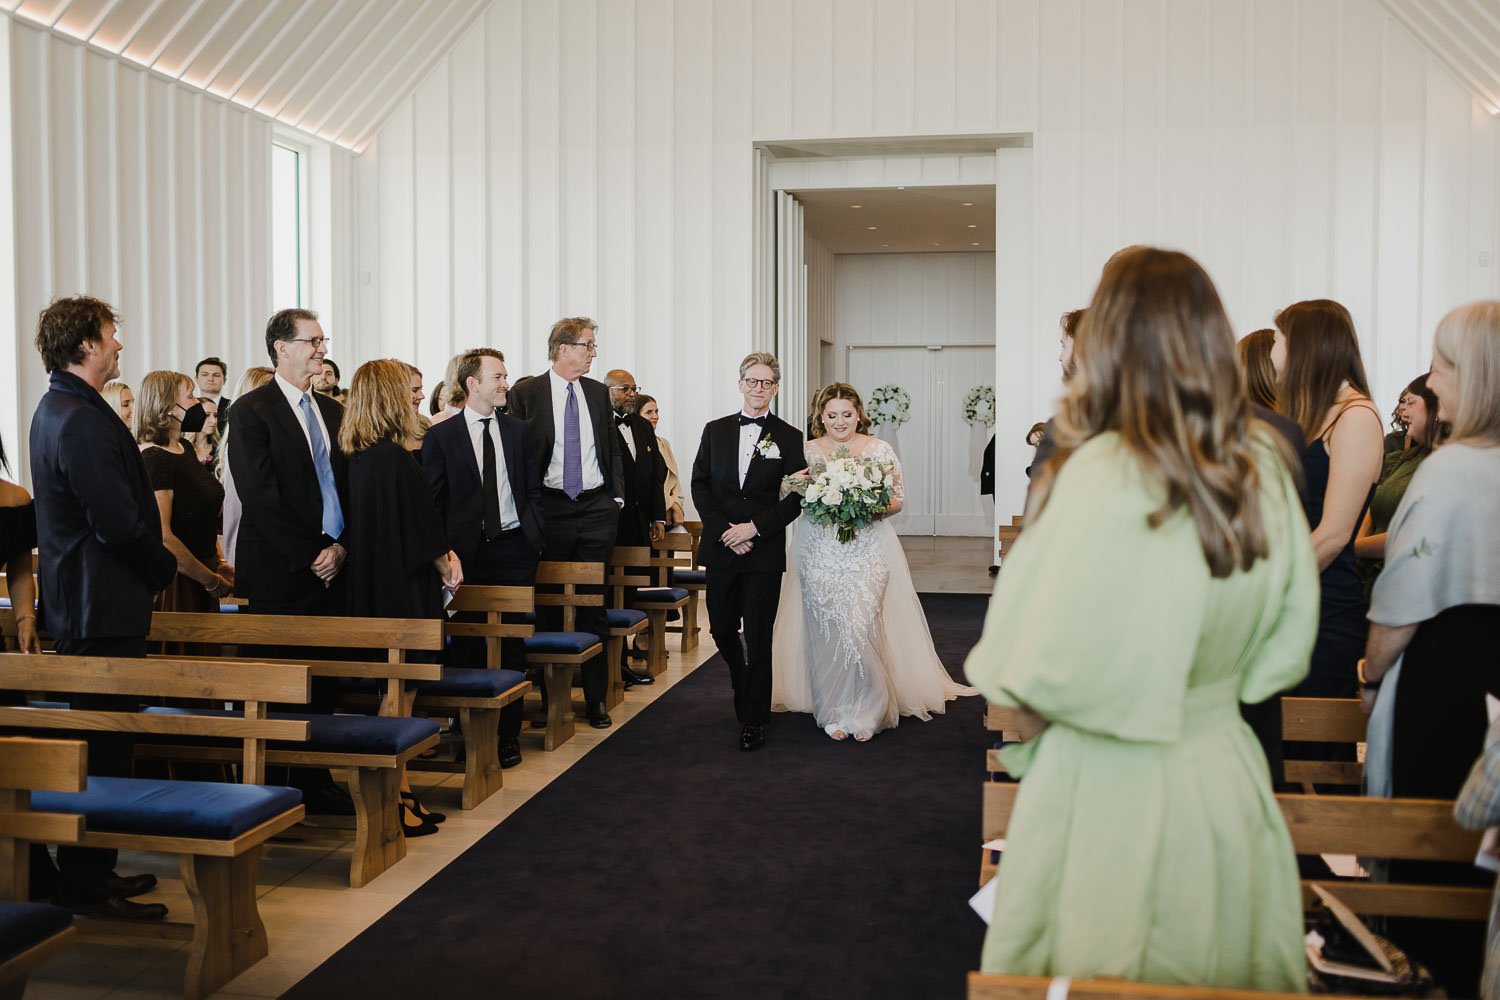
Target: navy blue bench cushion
(230, 609)
(26, 925)
(661, 595)
(472, 682)
(685, 576)
(560, 642)
(624, 617)
(203, 810)
(372, 734)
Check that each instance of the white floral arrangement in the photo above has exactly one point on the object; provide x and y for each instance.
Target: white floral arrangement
(767, 447)
(979, 406)
(889, 404)
(847, 493)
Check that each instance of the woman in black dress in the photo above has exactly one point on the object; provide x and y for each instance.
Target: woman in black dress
(189, 497)
(17, 539)
(399, 561)
(1323, 390)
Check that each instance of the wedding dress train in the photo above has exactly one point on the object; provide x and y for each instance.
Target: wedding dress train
(852, 645)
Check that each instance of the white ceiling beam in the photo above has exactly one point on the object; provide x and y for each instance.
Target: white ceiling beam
(310, 74)
(354, 62)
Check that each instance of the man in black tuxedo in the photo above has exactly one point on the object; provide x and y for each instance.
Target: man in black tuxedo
(101, 559)
(484, 478)
(737, 489)
(292, 480)
(643, 518)
(578, 459)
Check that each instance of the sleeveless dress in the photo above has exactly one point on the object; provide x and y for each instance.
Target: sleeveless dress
(851, 644)
(1145, 842)
(1342, 606)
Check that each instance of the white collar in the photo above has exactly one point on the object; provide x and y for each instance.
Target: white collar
(291, 392)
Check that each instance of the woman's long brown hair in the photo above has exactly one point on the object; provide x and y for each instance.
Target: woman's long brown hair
(1322, 353)
(379, 407)
(1156, 365)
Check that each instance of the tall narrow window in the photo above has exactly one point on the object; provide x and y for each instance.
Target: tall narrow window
(286, 226)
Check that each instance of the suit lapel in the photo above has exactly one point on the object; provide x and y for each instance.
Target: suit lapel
(545, 428)
(281, 412)
(465, 443)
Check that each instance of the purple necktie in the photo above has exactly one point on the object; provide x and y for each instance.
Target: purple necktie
(572, 448)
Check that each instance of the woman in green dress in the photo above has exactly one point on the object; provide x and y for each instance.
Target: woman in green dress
(1417, 411)
(1165, 576)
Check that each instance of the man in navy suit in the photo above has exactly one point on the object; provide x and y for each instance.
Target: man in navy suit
(101, 555)
(737, 489)
(578, 459)
(485, 481)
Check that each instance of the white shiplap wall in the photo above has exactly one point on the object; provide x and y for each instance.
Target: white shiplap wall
(595, 156)
(154, 197)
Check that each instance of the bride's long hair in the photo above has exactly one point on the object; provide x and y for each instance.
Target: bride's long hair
(1156, 365)
(830, 392)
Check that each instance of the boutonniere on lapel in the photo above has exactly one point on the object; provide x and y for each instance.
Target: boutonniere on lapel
(767, 447)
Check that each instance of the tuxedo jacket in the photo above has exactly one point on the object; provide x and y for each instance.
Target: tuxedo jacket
(281, 526)
(645, 475)
(98, 527)
(531, 401)
(722, 501)
(458, 482)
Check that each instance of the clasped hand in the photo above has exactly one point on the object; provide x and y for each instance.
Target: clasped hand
(740, 538)
(328, 563)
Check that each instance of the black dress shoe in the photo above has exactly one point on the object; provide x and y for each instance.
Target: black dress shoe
(752, 737)
(420, 811)
(598, 717)
(510, 753)
(114, 908)
(425, 828)
(129, 886)
(631, 678)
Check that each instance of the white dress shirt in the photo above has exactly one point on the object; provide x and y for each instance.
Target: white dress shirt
(592, 477)
(294, 400)
(509, 518)
(750, 435)
(628, 433)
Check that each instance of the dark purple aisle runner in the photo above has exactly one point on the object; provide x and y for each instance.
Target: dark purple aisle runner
(669, 864)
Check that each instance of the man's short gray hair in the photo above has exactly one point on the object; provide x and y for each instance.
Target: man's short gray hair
(761, 358)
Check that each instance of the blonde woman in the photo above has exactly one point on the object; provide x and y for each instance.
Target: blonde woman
(399, 561)
(122, 401)
(1165, 576)
(189, 498)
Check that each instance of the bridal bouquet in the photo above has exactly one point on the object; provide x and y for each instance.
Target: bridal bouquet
(847, 492)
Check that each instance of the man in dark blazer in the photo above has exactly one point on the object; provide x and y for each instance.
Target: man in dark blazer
(643, 517)
(737, 476)
(485, 480)
(101, 557)
(578, 460)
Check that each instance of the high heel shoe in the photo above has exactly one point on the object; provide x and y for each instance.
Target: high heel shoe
(422, 829)
(409, 799)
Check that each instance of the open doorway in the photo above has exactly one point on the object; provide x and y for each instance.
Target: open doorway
(899, 286)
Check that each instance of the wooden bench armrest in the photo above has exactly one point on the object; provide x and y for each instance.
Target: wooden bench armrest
(238, 728)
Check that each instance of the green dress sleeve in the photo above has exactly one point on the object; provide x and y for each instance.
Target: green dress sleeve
(1096, 617)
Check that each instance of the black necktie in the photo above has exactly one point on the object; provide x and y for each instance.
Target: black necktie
(752, 420)
(491, 487)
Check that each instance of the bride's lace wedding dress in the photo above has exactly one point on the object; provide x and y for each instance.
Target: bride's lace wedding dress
(851, 644)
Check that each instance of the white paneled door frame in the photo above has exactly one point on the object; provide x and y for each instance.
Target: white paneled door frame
(780, 280)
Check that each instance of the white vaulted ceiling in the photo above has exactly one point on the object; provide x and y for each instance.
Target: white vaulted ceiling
(332, 68)
(1464, 34)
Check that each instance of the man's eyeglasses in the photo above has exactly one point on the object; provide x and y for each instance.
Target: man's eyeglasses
(759, 383)
(593, 348)
(626, 388)
(316, 342)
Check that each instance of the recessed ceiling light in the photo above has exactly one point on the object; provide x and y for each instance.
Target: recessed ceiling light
(973, 225)
(885, 244)
(937, 244)
(973, 244)
(901, 188)
(968, 204)
(872, 228)
(856, 206)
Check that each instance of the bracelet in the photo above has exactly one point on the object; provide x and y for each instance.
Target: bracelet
(1359, 674)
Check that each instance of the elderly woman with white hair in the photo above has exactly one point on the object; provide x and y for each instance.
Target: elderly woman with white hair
(1431, 655)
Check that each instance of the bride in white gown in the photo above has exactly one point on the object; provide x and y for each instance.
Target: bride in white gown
(851, 644)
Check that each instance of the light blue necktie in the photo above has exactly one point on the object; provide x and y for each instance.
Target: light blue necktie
(333, 514)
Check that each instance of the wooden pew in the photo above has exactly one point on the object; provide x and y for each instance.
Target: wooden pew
(678, 553)
(1405, 829)
(694, 579)
(1323, 720)
(37, 931)
(375, 774)
(988, 986)
(624, 623)
(219, 864)
(479, 711)
(653, 566)
(559, 653)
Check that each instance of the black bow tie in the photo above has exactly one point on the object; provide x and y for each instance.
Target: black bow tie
(621, 419)
(761, 421)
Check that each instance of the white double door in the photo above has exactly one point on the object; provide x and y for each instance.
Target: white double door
(940, 452)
